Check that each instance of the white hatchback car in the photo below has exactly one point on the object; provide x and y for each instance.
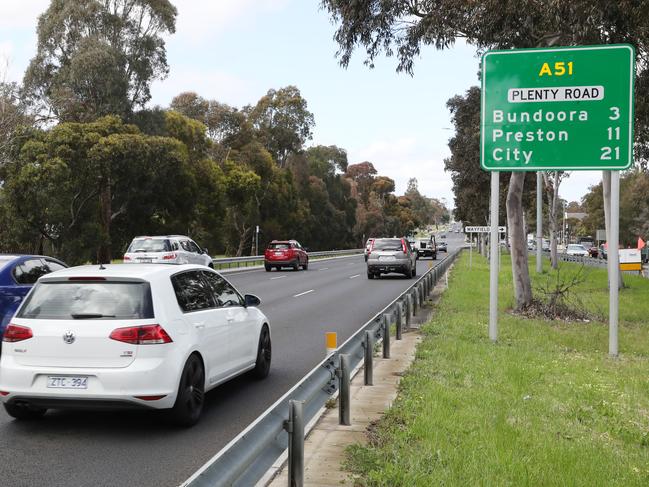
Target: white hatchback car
(577, 249)
(166, 249)
(149, 336)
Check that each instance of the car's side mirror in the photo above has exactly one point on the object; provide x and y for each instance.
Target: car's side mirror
(306, 249)
(205, 251)
(251, 300)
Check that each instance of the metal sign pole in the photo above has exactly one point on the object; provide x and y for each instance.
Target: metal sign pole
(613, 264)
(493, 264)
(470, 249)
(539, 222)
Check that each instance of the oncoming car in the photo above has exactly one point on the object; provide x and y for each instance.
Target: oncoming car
(577, 249)
(146, 336)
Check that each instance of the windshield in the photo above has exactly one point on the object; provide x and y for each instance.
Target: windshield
(388, 244)
(88, 300)
(149, 245)
(576, 247)
(278, 246)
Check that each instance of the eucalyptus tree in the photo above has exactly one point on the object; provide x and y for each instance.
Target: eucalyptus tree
(98, 57)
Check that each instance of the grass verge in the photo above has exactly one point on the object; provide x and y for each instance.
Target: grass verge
(544, 406)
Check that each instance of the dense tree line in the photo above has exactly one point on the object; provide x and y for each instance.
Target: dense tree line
(85, 166)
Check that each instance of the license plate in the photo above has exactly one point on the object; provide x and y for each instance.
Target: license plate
(67, 382)
(146, 261)
(387, 257)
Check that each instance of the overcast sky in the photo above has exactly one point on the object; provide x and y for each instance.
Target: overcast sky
(235, 50)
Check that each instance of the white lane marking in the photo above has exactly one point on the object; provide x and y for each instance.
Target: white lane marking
(354, 276)
(324, 269)
(302, 294)
(278, 277)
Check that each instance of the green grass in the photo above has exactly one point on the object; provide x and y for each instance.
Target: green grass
(544, 406)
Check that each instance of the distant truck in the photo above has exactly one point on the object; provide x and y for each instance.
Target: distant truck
(426, 247)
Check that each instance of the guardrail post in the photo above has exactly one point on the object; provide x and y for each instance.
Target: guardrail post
(415, 305)
(368, 362)
(399, 320)
(344, 391)
(408, 310)
(386, 336)
(295, 429)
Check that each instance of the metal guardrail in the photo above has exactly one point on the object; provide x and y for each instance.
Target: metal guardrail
(246, 261)
(246, 458)
(591, 261)
(596, 262)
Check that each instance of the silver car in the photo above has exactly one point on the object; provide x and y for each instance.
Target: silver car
(166, 249)
(391, 255)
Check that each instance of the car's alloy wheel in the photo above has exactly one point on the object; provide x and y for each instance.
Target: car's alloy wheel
(264, 355)
(306, 265)
(191, 393)
(296, 265)
(24, 412)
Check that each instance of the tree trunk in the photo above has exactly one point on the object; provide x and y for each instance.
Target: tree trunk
(243, 239)
(554, 261)
(606, 193)
(515, 221)
(105, 209)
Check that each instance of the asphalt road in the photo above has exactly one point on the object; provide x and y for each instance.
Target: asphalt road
(72, 448)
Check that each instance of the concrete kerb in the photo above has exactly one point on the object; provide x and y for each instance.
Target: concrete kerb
(326, 440)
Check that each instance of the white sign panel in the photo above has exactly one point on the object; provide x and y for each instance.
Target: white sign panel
(482, 229)
(630, 256)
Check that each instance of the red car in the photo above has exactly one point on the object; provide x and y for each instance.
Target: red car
(285, 253)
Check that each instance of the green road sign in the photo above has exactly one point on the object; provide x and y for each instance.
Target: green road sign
(557, 109)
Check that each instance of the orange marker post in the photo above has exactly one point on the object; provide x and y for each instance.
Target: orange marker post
(331, 340)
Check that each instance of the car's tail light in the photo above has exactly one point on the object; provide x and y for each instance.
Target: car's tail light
(4, 393)
(403, 246)
(169, 256)
(125, 258)
(371, 246)
(17, 333)
(141, 335)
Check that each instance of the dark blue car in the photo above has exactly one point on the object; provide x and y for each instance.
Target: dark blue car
(18, 273)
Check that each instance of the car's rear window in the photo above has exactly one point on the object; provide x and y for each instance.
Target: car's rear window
(279, 246)
(149, 245)
(388, 244)
(88, 300)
